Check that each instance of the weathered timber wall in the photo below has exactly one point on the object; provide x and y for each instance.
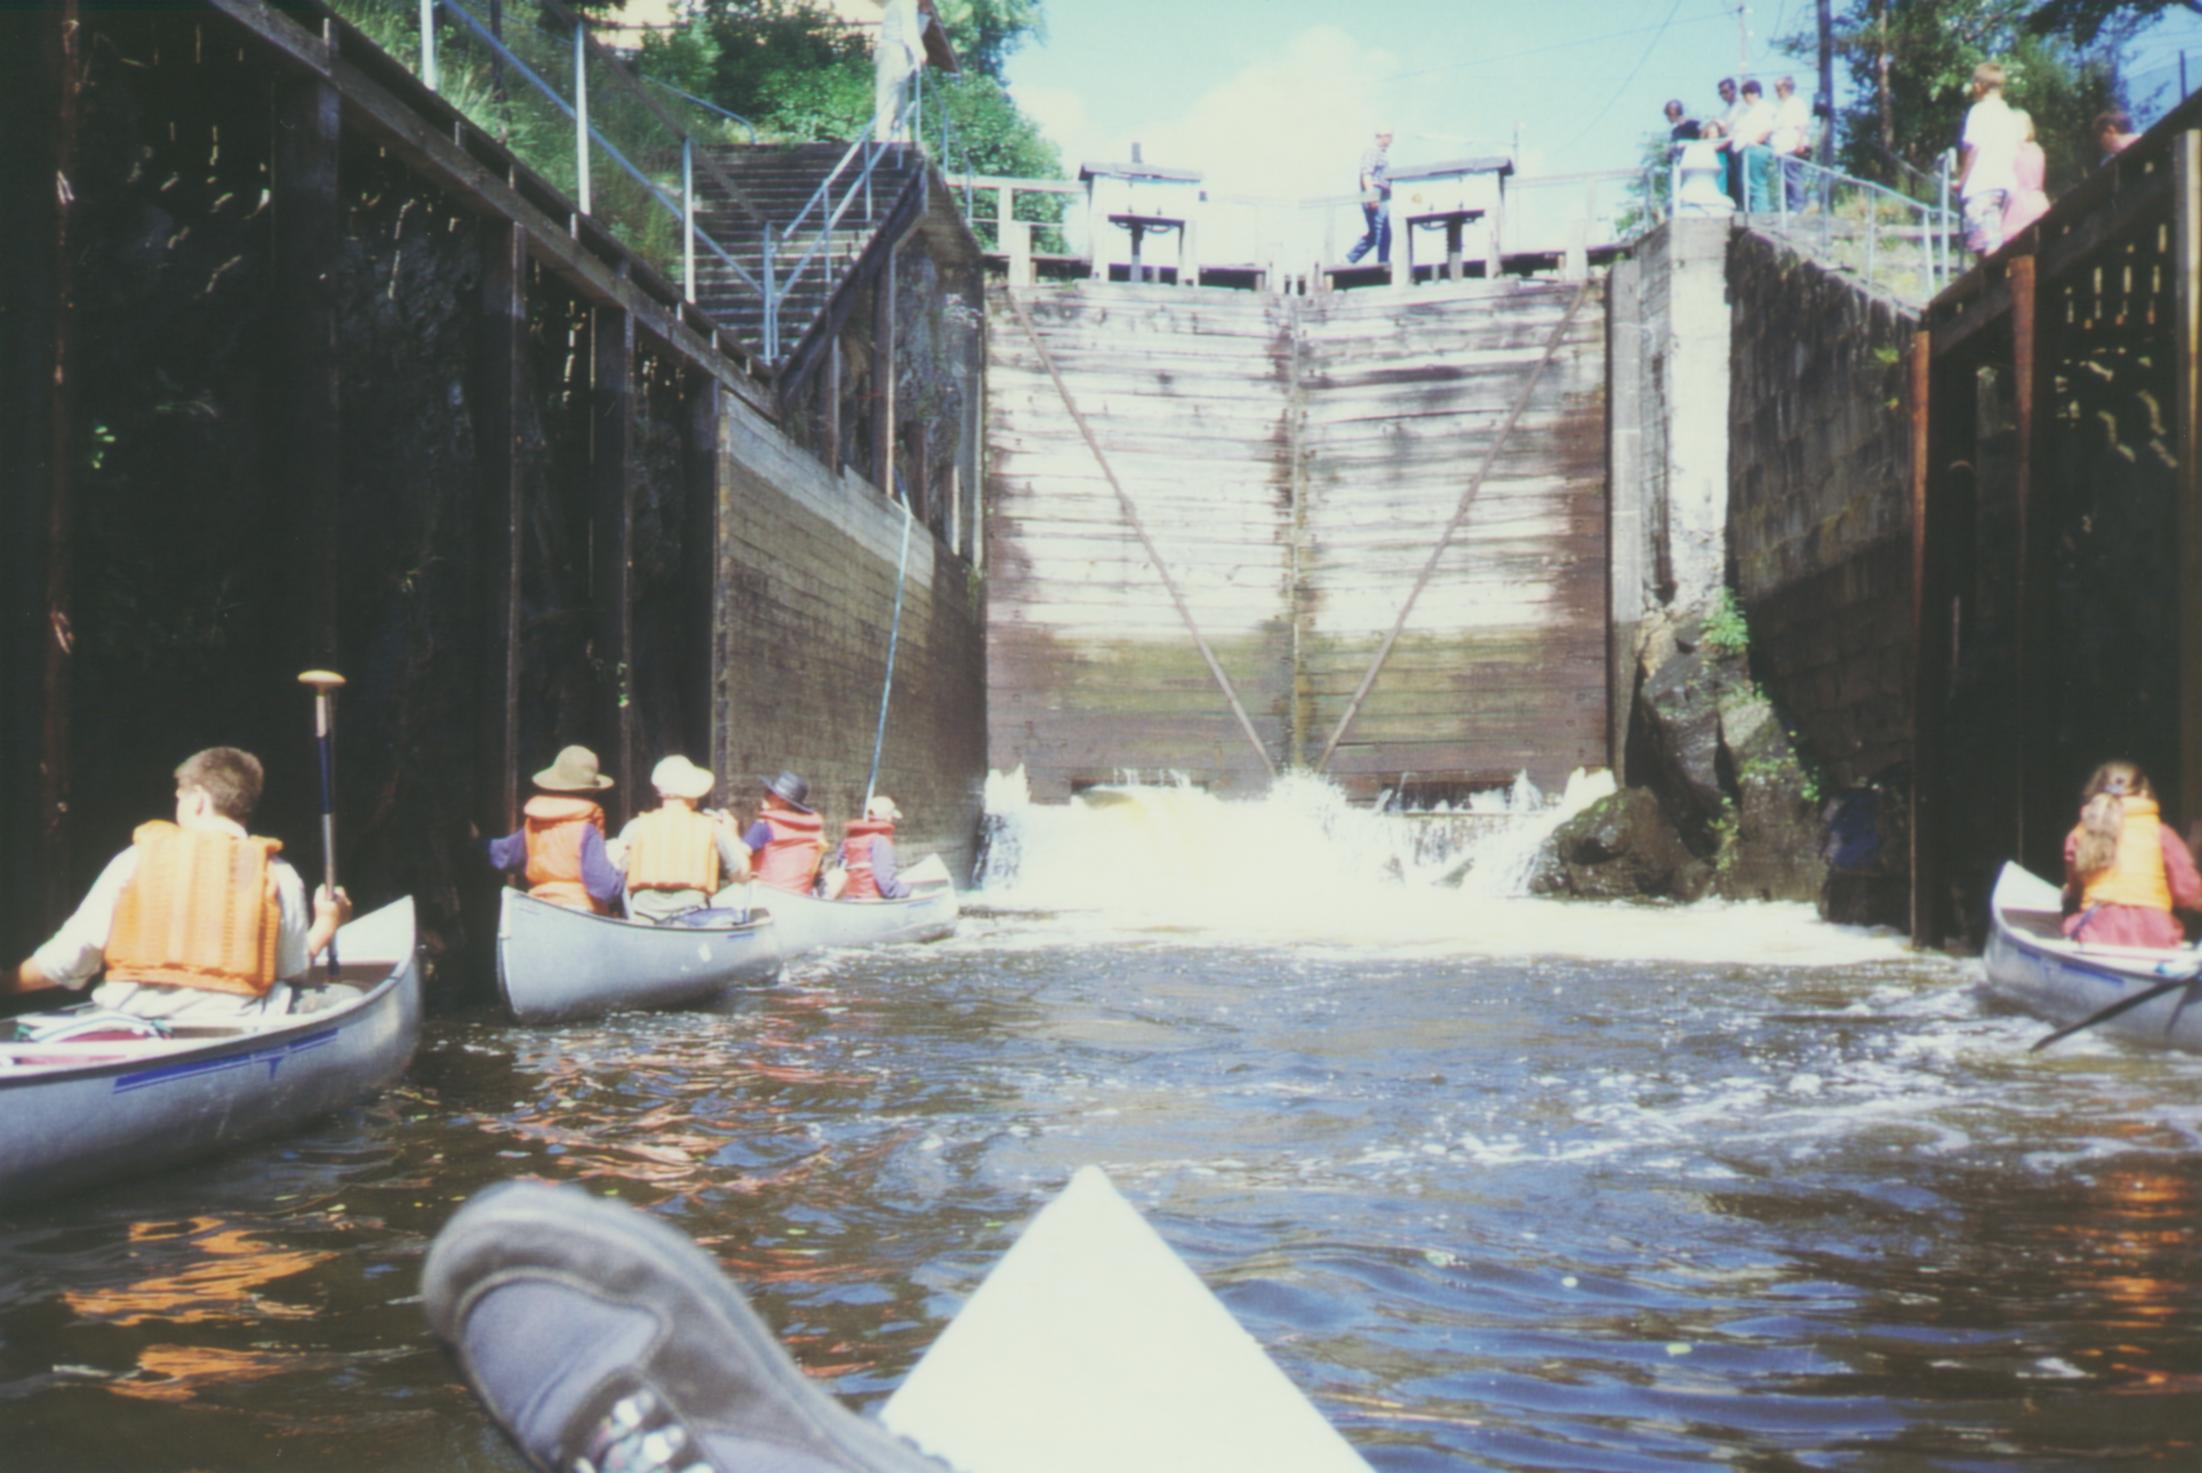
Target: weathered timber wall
(510, 498)
(1819, 504)
(1501, 665)
(1295, 461)
(1090, 669)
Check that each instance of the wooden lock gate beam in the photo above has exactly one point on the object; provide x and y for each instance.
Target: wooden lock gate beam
(1131, 516)
(1460, 514)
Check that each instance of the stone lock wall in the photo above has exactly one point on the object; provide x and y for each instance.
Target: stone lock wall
(1819, 509)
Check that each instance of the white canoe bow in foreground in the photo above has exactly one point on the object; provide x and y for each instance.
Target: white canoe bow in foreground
(2031, 965)
(554, 962)
(89, 1110)
(1092, 1348)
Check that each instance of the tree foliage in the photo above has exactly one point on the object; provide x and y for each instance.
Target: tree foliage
(2081, 21)
(1911, 66)
(798, 74)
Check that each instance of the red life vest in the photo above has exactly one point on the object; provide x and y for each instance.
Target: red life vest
(789, 860)
(555, 824)
(856, 858)
(200, 911)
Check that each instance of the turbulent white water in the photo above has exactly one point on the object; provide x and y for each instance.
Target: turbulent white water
(1305, 865)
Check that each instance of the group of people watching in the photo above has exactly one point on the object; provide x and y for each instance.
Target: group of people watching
(1754, 146)
(666, 865)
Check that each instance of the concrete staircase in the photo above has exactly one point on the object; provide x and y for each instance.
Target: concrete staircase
(777, 182)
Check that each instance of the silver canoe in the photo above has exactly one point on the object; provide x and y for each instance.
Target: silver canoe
(2031, 965)
(78, 1112)
(554, 962)
(808, 923)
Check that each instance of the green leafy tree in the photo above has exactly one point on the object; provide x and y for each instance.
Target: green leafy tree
(2081, 21)
(986, 33)
(1911, 68)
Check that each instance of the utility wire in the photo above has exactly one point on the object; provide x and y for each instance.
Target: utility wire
(1487, 61)
(1599, 116)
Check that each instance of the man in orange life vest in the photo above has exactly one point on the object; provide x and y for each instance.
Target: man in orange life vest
(868, 854)
(788, 837)
(560, 840)
(227, 961)
(675, 857)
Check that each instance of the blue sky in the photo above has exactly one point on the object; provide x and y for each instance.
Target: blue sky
(1279, 96)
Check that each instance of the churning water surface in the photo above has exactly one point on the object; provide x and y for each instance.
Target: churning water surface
(1501, 1183)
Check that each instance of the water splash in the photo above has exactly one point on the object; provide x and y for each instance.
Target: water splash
(1304, 864)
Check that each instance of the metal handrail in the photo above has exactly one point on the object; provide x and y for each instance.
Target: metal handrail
(1935, 228)
(684, 211)
(829, 221)
(706, 104)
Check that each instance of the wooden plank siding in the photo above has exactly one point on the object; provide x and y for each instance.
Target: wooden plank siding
(1294, 460)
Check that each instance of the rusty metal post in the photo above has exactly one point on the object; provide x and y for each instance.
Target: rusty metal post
(2186, 334)
(1929, 652)
(883, 377)
(40, 60)
(612, 498)
(308, 233)
(2029, 586)
(504, 328)
(700, 558)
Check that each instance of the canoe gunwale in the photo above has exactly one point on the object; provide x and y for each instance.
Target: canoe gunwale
(652, 972)
(2063, 981)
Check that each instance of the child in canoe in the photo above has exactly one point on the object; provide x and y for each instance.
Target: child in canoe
(2124, 871)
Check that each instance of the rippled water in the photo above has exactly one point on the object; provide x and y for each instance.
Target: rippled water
(1489, 1210)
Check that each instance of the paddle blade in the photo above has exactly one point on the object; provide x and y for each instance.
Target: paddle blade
(1092, 1348)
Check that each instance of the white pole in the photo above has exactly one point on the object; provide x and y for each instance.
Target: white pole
(581, 111)
(688, 215)
(428, 43)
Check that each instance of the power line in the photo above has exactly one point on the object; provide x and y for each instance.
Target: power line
(1483, 61)
(1599, 117)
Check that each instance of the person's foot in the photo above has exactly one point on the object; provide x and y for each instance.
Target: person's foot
(605, 1342)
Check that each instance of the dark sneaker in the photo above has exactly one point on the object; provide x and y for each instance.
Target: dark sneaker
(605, 1342)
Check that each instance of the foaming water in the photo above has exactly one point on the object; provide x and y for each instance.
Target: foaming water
(1303, 864)
(1502, 1184)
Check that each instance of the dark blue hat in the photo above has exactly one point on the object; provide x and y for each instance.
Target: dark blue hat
(789, 789)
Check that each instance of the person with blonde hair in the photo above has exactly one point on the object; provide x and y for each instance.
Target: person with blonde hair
(2029, 199)
(2124, 869)
(1988, 152)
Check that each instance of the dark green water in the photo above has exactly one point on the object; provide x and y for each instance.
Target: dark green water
(1489, 1212)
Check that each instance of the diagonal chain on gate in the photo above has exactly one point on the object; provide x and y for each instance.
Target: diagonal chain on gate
(1131, 515)
(1460, 515)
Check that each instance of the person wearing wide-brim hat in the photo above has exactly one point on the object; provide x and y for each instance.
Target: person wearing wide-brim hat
(560, 841)
(788, 837)
(677, 856)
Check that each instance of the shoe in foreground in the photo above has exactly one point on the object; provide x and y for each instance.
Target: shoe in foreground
(605, 1342)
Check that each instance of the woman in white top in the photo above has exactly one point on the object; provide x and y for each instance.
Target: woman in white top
(1700, 174)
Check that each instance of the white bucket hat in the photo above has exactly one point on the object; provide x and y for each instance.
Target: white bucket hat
(677, 777)
(883, 808)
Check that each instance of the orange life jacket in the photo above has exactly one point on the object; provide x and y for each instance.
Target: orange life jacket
(2136, 875)
(856, 857)
(555, 823)
(673, 849)
(200, 911)
(789, 860)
